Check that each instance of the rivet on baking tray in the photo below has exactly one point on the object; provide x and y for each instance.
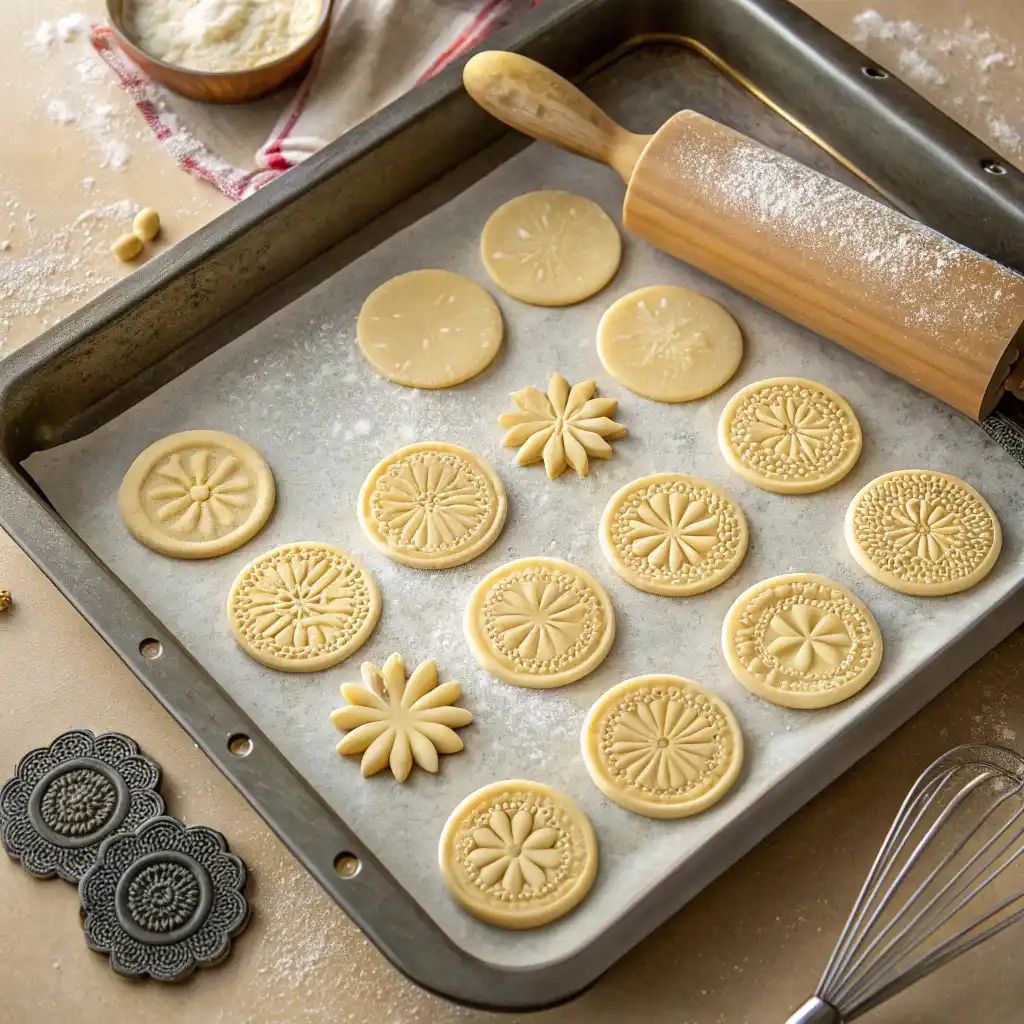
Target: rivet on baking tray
(993, 167)
(151, 649)
(873, 72)
(346, 865)
(240, 745)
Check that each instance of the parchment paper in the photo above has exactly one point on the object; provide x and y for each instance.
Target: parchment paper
(297, 388)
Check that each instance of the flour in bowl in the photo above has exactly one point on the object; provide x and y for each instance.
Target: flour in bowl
(221, 35)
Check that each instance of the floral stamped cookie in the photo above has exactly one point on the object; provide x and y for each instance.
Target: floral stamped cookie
(432, 505)
(802, 641)
(673, 535)
(518, 854)
(540, 622)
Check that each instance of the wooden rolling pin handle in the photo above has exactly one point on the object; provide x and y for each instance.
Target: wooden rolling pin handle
(531, 98)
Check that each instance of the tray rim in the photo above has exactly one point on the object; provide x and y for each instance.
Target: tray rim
(374, 899)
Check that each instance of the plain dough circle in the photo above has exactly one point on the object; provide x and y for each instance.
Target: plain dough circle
(493, 888)
(673, 535)
(669, 343)
(339, 614)
(510, 641)
(922, 532)
(550, 248)
(432, 505)
(802, 641)
(167, 501)
(674, 758)
(789, 435)
(429, 329)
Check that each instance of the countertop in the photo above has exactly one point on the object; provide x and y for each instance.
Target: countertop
(747, 951)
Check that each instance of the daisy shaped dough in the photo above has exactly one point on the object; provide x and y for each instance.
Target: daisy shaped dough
(566, 427)
(397, 722)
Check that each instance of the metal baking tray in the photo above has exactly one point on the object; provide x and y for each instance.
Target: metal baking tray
(374, 190)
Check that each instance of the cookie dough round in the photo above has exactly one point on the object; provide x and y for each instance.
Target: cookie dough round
(432, 505)
(197, 494)
(429, 329)
(673, 535)
(789, 435)
(922, 532)
(550, 248)
(303, 607)
(802, 641)
(518, 854)
(662, 746)
(540, 622)
(669, 343)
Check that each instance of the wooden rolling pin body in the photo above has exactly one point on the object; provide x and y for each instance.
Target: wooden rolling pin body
(854, 270)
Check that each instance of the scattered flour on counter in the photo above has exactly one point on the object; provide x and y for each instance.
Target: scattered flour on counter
(61, 112)
(63, 30)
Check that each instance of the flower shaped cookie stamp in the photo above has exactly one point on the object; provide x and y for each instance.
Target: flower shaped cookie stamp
(65, 799)
(164, 900)
(566, 427)
(396, 722)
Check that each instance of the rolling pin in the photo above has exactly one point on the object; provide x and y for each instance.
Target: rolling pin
(854, 270)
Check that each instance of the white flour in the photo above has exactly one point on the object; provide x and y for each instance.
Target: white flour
(221, 35)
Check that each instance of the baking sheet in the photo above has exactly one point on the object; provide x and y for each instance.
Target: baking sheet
(297, 388)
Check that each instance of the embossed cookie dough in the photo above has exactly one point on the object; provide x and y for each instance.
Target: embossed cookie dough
(662, 746)
(303, 607)
(429, 329)
(673, 535)
(197, 494)
(789, 435)
(923, 532)
(432, 505)
(395, 722)
(518, 854)
(566, 427)
(802, 641)
(540, 622)
(669, 343)
(550, 248)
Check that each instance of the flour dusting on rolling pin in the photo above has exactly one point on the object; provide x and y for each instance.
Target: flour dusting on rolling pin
(912, 301)
(221, 35)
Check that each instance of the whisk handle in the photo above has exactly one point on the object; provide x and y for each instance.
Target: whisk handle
(815, 1011)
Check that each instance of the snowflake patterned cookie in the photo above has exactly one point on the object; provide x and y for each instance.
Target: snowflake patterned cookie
(550, 248)
(197, 494)
(922, 532)
(789, 435)
(396, 722)
(673, 535)
(432, 505)
(802, 641)
(566, 427)
(669, 343)
(662, 746)
(518, 854)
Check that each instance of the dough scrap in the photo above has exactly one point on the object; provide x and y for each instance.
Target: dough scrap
(429, 329)
(303, 607)
(567, 427)
(197, 494)
(802, 641)
(540, 622)
(550, 248)
(789, 435)
(432, 505)
(673, 535)
(518, 854)
(922, 532)
(669, 344)
(395, 722)
(662, 746)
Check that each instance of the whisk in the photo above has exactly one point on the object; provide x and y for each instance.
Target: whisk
(929, 895)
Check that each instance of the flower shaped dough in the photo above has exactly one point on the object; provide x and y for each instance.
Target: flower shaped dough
(395, 722)
(566, 427)
(164, 900)
(65, 799)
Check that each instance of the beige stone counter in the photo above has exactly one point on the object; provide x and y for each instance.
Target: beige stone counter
(745, 952)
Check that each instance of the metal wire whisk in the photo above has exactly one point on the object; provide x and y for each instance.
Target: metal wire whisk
(930, 894)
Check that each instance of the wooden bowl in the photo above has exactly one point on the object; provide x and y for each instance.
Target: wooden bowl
(220, 86)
